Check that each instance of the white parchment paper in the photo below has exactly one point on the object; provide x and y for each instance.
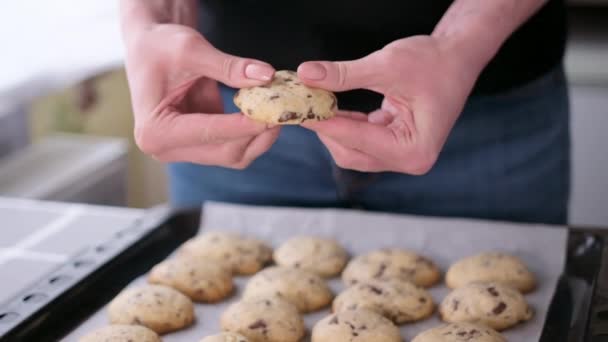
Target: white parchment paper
(444, 240)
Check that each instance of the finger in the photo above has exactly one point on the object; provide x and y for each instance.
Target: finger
(364, 73)
(352, 115)
(373, 139)
(258, 146)
(224, 154)
(172, 131)
(231, 70)
(380, 117)
(352, 159)
(236, 154)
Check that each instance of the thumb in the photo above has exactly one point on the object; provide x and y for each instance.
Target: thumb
(231, 70)
(362, 73)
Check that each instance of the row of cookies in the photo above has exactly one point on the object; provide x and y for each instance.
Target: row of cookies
(210, 282)
(201, 271)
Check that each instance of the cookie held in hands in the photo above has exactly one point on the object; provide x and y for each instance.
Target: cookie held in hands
(285, 101)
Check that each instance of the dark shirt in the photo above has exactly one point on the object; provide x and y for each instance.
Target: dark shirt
(286, 33)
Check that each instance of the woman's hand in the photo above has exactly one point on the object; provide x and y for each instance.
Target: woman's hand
(172, 72)
(424, 90)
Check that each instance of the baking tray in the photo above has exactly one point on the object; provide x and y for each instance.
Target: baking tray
(62, 300)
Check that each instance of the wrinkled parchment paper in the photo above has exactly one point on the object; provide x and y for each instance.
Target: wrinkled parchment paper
(444, 240)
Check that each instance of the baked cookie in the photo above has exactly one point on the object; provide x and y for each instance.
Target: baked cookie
(307, 291)
(201, 280)
(226, 337)
(157, 307)
(491, 266)
(243, 255)
(285, 101)
(460, 332)
(355, 326)
(493, 304)
(392, 263)
(324, 257)
(264, 320)
(121, 333)
(400, 301)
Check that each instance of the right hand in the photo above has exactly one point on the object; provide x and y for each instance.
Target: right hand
(172, 72)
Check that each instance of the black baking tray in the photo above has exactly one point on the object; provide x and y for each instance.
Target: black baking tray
(62, 300)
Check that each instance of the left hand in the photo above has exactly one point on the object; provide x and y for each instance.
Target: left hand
(425, 87)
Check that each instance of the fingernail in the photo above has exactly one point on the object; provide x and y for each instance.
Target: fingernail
(312, 71)
(260, 72)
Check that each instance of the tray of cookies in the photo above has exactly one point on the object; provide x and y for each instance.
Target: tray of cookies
(287, 274)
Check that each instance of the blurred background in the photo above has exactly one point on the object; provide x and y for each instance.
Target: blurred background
(66, 122)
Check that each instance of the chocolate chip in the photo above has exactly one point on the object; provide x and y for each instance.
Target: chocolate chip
(250, 111)
(334, 320)
(308, 95)
(259, 324)
(311, 114)
(493, 291)
(375, 290)
(499, 308)
(455, 304)
(274, 97)
(287, 116)
(422, 300)
(381, 270)
(288, 80)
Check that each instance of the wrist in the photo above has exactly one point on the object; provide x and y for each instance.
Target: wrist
(138, 16)
(468, 49)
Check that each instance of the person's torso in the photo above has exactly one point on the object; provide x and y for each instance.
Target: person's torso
(286, 33)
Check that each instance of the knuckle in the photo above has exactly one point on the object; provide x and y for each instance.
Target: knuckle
(184, 43)
(235, 154)
(146, 141)
(389, 57)
(423, 163)
(228, 68)
(242, 165)
(345, 162)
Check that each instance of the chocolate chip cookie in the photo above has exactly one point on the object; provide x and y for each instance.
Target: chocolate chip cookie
(264, 320)
(491, 266)
(201, 280)
(460, 332)
(226, 337)
(307, 291)
(158, 307)
(285, 101)
(493, 304)
(397, 300)
(324, 257)
(121, 333)
(243, 255)
(392, 263)
(355, 326)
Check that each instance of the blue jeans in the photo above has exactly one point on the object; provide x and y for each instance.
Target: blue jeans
(507, 158)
